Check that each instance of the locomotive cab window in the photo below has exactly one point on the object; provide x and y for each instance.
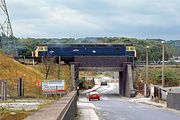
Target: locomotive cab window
(127, 48)
(42, 48)
(45, 48)
(131, 48)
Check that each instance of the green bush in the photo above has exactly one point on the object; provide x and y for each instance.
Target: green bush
(171, 76)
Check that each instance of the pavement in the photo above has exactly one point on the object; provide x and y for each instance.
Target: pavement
(22, 104)
(55, 110)
(86, 110)
(149, 102)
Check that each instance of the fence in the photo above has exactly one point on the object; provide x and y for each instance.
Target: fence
(3, 90)
(158, 93)
(13, 88)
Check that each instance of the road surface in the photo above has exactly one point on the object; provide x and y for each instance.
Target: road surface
(111, 88)
(113, 107)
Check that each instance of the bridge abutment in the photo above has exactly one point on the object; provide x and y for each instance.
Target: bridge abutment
(119, 64)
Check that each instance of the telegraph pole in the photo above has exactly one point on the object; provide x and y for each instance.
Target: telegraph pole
(145, 84)
(162, 63)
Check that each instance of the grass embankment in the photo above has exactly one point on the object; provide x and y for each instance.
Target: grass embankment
(11, 71)
(171, 76)
(55, 73)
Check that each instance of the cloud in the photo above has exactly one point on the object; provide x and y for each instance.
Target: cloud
(81, 18)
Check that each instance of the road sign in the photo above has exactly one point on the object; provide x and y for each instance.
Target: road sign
(38, 83)
(53, 86)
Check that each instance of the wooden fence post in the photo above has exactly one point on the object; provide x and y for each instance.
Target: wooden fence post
(3, 90)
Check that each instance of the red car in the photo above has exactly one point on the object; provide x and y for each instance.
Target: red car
(94, 95)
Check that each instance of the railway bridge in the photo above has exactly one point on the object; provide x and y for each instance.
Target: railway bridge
(98, 57)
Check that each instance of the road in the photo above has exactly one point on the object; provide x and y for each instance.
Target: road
(113, 107)
(111, 88)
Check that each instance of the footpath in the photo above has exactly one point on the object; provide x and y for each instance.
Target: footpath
(86, 110)
(149, 102)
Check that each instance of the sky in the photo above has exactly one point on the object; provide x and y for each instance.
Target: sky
(158, 19)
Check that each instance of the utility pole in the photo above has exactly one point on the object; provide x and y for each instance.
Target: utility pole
(162, 63)
(145, 85)
(7, 39)
(5, 26)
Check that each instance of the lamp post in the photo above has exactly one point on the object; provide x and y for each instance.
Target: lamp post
(145, 85)
(162, 63)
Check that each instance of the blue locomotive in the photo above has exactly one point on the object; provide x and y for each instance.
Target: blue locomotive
(86, 49)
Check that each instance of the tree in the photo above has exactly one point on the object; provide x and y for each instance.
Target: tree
(47, 63)
(171, 76)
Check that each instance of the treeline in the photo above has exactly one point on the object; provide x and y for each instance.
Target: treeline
(172, 48)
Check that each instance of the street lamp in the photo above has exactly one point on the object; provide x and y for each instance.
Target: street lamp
(145, 85)
(162, 63)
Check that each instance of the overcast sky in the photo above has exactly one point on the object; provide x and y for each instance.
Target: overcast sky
(95, 18)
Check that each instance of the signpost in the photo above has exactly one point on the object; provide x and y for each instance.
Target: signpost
(53, 87)
(38, 84)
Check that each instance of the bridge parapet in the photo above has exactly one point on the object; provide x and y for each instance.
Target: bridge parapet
(63, 109)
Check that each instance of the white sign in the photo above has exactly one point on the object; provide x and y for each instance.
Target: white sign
(53, 86)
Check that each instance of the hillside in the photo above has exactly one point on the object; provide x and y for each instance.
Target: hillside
(176, 46)
(11, 70)
(64, 73)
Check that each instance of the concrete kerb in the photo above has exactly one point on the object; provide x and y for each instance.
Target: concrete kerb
(147, 101)
(154, 104)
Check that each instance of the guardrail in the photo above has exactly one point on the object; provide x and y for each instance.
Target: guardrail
(63, 109)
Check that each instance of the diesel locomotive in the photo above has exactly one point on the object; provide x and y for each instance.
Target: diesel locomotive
(68, 51)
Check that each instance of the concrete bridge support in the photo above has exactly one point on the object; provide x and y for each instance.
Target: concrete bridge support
(126, 80)
(119, 64)
(74, 74)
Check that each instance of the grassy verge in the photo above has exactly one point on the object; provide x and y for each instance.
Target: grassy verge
(14, 114)
(6, 114)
